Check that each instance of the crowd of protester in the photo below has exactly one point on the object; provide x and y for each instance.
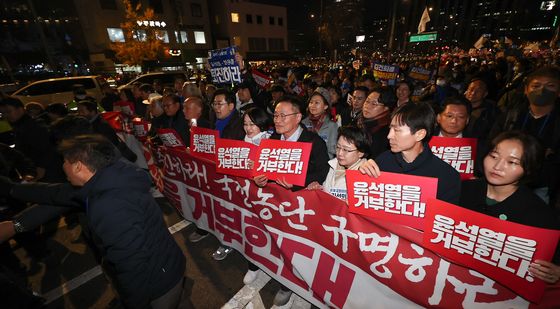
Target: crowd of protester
(353, 121)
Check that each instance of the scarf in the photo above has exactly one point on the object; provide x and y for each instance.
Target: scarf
(375, 124)
(317, 122)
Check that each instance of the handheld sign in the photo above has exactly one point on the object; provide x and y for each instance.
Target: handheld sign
(203, 142)
(394, 197)
(232, 157)
(170, 138)
(501, 250)
(283, 160)
(223, 66)
(460, 153)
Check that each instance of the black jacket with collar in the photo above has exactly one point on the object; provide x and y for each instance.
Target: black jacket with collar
(428, 165)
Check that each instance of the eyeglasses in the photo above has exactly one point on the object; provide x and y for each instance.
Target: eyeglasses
(344, 150)
(219, 104)
(283, 116)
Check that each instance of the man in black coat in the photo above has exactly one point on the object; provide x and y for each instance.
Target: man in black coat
(287, 123)
(139, 254)
(412, 126)
(33, 140)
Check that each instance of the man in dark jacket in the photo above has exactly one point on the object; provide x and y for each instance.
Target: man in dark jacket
(32, 139)
(412, 126)
(144, 261)
(173, 118)
(287, 123)
(228, 120)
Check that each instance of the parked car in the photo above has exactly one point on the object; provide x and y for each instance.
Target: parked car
(166, 78)
(59, 90)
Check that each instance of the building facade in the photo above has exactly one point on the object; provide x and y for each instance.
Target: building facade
(258, 30)
(182, 25)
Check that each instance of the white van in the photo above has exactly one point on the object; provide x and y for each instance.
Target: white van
(59, 90)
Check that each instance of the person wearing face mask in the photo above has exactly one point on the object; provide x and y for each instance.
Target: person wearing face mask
(539, 116)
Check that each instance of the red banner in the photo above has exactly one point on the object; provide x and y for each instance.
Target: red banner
(280, 159)
(203, 142)
(170, 138)
(327, 255)
(460, 153)
(394, 197)
(499, 249)
(232, 157)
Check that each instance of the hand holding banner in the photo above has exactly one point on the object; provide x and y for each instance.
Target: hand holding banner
(499, 249)
(203, 142)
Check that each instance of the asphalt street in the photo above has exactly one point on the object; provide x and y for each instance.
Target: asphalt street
(69, 276)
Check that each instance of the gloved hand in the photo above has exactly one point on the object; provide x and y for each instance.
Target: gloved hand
(6, 185)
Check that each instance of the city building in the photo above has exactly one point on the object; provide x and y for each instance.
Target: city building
(258, 30)
(74, 36)
(182, 25)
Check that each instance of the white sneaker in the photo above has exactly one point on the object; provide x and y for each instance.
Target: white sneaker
(282, 298)
(250, 276)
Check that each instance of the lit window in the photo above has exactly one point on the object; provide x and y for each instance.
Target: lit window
(199, 37)
(183, 36)
(162, 36)
(234, 17)
(115, 34)
(139, 35)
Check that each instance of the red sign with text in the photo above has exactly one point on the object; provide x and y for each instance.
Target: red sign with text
(395, 197)
(499, 249)
(232, 157)
(283, 160)
(170, 138)
(203, 142)
(460, 153)
(140, 128)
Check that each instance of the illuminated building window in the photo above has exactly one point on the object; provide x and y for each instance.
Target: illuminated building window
(140, 35)
(115, 35)
(234, 17)
(162, 36)
(199, 37)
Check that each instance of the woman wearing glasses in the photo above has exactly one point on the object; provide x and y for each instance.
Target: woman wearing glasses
(352, 148)
(319, 121)
(374, 122)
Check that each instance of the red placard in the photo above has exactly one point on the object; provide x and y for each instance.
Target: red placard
(394, 197)
(460, 153)
(114, 119)
(170, 138)
(203, 142)
(140, 128)
(280, 159)
(232, 157)
(496, 248)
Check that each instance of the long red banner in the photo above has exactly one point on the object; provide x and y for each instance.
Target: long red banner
(311, 243)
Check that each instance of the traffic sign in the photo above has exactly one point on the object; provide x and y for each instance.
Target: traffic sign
(423, 37)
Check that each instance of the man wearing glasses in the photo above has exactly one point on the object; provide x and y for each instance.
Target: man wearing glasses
(287, 119)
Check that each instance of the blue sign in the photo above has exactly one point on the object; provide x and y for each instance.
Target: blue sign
(223, 66)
